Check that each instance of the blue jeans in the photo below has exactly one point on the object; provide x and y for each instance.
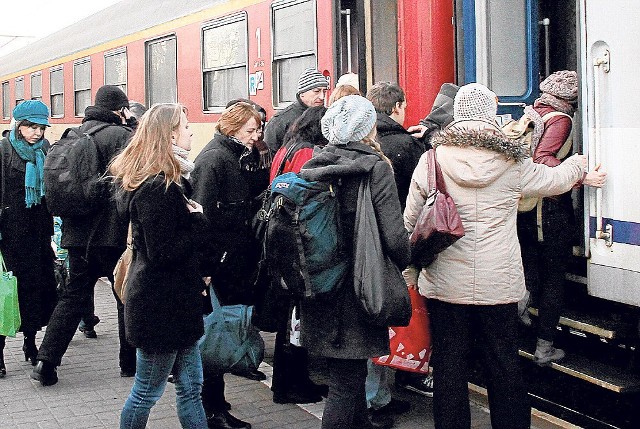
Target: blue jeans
(152, 370)
(377, 386)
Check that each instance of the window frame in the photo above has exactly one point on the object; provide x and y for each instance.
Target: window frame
(275, 59)
(76, 91)
(37, 74)
(53, 70)
(6, 100)
(122, 50)
(15, 88)
(148, 88)
(220, 22)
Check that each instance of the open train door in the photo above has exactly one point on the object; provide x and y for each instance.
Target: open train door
(610, 67)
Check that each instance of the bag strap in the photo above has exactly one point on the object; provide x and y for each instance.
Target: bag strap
(568, 143)
(440, 184)
(287, 154)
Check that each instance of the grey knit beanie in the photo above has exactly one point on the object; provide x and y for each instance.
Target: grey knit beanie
(310, 79)
(562, 84)
(475, 101)
(349, 119)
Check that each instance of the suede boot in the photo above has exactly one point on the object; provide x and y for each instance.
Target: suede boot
(546, 354)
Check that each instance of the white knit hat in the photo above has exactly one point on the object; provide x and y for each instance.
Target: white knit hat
(476, 101)
(349, 79)
(349, 119)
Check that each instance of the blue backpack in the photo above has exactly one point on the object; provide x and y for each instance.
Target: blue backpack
(304, 245)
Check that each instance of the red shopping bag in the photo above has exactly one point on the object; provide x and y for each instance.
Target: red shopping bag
(411, 345)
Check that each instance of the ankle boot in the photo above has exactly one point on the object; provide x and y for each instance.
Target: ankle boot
(45, 373)
(223, 420)
(546, 354)
(29, 348)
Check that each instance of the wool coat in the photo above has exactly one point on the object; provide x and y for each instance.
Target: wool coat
(163, 301)
(227, 184)
(485, 173)
(338, 327)
(26, 243)
(103, 227)
(277, 127)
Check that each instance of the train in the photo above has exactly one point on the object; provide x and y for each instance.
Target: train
(203, 53)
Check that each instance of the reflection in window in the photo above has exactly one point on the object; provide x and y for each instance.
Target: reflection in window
(294, 47)
(6, 102)
(57, 92)
(161, 71)
(115, 69)
(36, 86)
(19, 90)
(82, 86)
(224, 60)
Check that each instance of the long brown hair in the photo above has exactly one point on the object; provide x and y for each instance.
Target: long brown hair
(149, 153)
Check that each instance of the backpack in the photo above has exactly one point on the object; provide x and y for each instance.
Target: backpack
(303, 242)
(72, 174)
(522, 131)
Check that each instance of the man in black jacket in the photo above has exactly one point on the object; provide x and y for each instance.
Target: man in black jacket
(95, 242)
(312, 89)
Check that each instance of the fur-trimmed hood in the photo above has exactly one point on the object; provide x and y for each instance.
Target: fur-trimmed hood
(474, 153)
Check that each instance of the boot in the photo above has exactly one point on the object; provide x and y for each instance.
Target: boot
(3, 369)
(523, 310)
(546, 354)
(45, 373)
(223, 420)
(29, 348)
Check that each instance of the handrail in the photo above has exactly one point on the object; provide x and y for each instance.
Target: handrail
(599, 64)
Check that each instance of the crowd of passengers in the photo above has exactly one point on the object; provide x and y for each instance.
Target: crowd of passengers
(191, 225)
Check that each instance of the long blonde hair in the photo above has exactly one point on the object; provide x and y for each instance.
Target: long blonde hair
(149, 153)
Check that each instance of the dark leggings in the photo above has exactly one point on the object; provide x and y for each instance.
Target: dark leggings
(346, 405)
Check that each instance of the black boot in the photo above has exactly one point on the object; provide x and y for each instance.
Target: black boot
(45, 373)
(3, 369)
(224, 420)
(29, 348)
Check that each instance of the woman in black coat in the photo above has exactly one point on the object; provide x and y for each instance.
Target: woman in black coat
(338, 329)
(26, 226)
(163, 299)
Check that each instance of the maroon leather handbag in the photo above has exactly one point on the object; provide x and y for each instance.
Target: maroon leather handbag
(438, 225)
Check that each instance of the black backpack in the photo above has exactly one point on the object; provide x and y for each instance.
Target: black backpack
(73, 179)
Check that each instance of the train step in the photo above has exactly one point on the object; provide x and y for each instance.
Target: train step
(588, 324)
(600, 374)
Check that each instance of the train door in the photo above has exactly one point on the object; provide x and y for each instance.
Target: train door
(498, 47)
(610, 66)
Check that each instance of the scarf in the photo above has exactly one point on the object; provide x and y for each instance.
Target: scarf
(548, 100)
(33, 155)
(186, 166)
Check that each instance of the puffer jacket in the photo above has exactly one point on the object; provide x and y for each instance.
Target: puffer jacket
(485, 174)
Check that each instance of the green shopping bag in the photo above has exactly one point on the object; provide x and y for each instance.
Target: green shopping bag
(9, 308)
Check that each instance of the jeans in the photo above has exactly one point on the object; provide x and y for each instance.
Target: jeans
(346, 404)
(152, 370)
(454, 326)
(76, 299)
(376, 386)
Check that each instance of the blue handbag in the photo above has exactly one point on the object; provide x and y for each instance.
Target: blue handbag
(230, 341)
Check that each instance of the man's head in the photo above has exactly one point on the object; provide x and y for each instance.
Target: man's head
(110, 97)
(388, 98)
(312, 87)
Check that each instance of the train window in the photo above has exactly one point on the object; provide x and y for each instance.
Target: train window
(82, 85)
(224, 62)
(56, 80)
(19, 90)
(162, 81)
(6, 103)
(115, 69)
(36, 86)
(294, 47)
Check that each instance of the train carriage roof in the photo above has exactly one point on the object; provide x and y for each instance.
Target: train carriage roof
(121, 19)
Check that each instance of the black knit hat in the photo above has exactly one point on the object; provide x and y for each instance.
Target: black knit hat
(111, 97)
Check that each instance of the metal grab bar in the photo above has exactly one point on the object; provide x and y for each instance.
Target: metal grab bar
(599, 64)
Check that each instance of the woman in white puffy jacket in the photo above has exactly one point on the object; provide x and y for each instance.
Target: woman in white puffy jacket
(474, 285)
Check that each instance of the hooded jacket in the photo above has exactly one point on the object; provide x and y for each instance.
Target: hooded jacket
(338, 328)
(485, 174)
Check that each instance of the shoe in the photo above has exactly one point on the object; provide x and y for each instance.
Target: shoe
(395, 406)
(546, 354)
(87, 330)
(313, 388)
(224, 420)
(30, 353)
(45, 373)
(3, 368)
(126, 373)
(294, 397)
(378, 422)
(251, 375)
(523, 310)
(421, 385)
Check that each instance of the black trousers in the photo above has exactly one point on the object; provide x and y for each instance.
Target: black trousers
(346, 405)
(290, 363)
(76, 299)
(545, 262)
(454, 327)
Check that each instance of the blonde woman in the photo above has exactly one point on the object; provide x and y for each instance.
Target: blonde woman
(338, 329)
(163, 310)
